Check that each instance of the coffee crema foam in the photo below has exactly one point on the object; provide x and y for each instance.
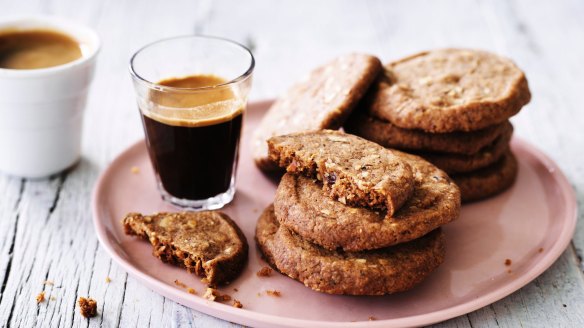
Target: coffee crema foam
(204, 115)
(38, 48)
(193, 108)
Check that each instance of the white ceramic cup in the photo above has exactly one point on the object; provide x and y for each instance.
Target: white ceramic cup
(41, 110)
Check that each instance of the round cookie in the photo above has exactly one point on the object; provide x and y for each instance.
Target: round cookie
(378, 272)
(449, 90)
(323, 100)
(391, 136)
(301, 206)
(488, 181)
(456, 163)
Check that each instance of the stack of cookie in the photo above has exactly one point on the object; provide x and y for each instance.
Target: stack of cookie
(352, 217)
(451, 107)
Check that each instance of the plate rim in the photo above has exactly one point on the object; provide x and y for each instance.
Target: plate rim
(244, 316)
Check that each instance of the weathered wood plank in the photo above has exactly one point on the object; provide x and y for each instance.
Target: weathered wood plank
(29, 268)
(12, 189)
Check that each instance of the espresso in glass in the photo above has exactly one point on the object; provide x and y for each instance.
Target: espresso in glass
(192, 94)
(193, 139)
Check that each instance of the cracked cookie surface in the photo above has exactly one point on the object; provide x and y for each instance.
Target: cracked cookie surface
(353, 170)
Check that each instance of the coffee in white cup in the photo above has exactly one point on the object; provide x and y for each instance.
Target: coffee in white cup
(46, 67)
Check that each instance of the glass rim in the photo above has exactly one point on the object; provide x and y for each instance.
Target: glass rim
(160, 87)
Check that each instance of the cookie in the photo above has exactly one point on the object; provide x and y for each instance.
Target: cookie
(449, 90)
(208, 244)
(488, 181)
(323, 100)
(456, 163)
(379, 272)
(301, 206)
(354, 171)
(391, 136)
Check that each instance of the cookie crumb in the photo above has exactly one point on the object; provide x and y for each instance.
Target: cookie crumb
(40, 297)
(372, 318)
(259, 294)
(87, 307)
(223, 298)
(48, 282)
(264, 272)
(179, 283)
(213, 294)
(274, 293)
(540, 250)
(508, 262)
(108, 280)
(52, 298)
(237, 304)
(135, 170)
(191, 291)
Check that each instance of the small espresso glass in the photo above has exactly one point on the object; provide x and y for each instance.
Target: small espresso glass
(192, 93)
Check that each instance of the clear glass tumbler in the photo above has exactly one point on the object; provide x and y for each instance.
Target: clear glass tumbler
(192, 93)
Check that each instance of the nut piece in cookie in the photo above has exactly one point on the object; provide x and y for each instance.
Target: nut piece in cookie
(383, 271)
(353, 170)
(323, 100)
(208, 244)
(448, 90)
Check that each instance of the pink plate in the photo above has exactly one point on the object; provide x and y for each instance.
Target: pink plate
(531, 224)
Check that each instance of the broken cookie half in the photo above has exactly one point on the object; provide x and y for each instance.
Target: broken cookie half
(354, 171)
(208, 243)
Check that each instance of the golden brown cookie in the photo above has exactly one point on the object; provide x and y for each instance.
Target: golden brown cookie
(449, 90)
(391, 136)
(323, 100)
(208, 243)
(488, 181)
(383, 271)
(354, 171)
(456, 163)
(301, 206)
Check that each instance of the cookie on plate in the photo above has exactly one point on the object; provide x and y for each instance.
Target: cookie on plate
(457, 163)
(301, 206)
(488, 181)
(379, 272)
(448, 90)
(353, 170)
(208, 243)
(323, 100)
(391, 136)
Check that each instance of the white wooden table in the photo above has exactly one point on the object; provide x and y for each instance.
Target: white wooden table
(45, 225)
